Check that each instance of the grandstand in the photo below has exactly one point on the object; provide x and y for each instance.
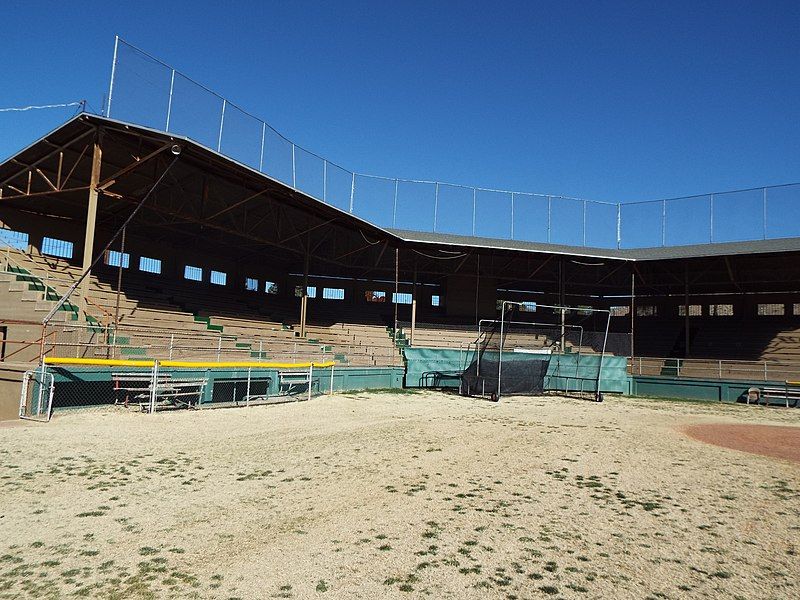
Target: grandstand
(229, 261)
(216, 266)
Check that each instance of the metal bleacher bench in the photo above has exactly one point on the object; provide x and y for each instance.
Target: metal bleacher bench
(789, 391)
(290, 382)
(174, 392)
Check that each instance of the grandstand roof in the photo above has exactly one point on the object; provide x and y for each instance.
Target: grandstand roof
(240, 186)
(634, 254)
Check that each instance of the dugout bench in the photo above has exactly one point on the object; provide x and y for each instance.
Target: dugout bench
(787, 395)
(170, 392)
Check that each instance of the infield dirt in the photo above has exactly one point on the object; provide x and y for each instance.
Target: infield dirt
(398, 496)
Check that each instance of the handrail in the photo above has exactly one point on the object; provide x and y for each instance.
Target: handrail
(26, 344)
(716, 368)
(46, 281)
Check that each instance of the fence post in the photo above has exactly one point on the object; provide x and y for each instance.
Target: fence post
(294, 168)
(435, 206)
(310, 378)
(325, 180)
(352, 191)
(394, 203)
(153, 387)
(765, 370)
(113, 73)
(720, 369)
(247, 393)
(221, 123)
(584, 223)
(260, 349)
(711, 220)
(169, 104)
(261, 157)
(474, 207)
(219, 347)
(171, 342)
(332, 379)
(512, 215)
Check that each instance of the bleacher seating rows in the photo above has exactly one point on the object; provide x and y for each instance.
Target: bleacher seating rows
(211, 324)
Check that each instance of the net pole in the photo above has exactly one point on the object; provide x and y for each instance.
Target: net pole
(633, 312)
(396, 295)
(247, 397)
(478, 351)
(113, 73)
(153, 387)
(580, 350)
(169, 104)
(598, 394)
(500, 357)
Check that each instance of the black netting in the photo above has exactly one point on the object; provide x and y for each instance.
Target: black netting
(526, 357)
(524, 374)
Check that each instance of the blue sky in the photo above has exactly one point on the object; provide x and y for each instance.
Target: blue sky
(614, 101)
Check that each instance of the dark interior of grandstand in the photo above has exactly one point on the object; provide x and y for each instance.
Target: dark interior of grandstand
(222, 260)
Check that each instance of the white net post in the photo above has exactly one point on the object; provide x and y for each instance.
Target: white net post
(153, 387)
(247, 393)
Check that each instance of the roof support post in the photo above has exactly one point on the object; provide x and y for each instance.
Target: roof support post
(413, 305)
(686, 309)
(633, 312)
(562, 300)
(396, 295)
(91, 219)
(304, 297)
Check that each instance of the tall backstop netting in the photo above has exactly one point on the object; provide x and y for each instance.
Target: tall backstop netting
(516, 356)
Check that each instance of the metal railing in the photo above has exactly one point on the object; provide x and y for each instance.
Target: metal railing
(146, 91)
(753, 370)
(79, 340)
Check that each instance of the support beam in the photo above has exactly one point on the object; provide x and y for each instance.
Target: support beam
(686, 309)
(413, 306)
(562, 299)
(396, 292)
(91, 219)
(633, 312)
(304, 298)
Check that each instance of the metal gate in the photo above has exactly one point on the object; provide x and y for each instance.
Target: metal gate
(36, 397)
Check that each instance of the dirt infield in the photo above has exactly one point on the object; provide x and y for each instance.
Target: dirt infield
(766, 440)
(414, 495)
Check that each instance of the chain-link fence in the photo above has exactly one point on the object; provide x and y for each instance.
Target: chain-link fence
(151, 385)
(147, 91)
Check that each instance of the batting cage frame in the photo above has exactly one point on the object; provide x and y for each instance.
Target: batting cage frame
(548, 364)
